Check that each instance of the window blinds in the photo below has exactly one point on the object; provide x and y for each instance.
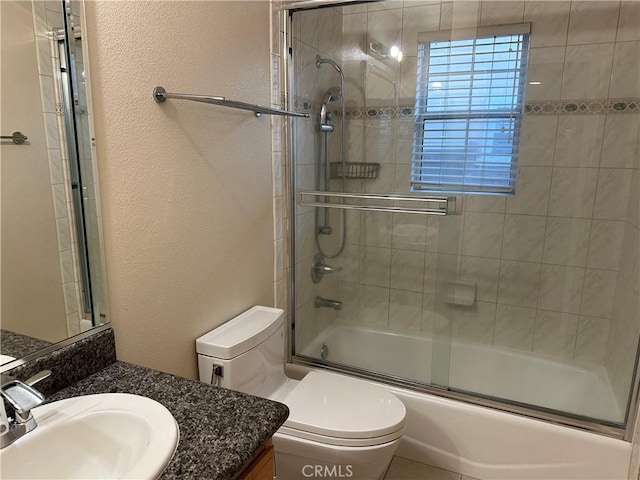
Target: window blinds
(469, 103)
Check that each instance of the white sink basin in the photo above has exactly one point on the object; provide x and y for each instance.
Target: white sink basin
(111, 435)
(5, 359)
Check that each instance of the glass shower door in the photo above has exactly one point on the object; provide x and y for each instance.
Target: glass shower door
(530, 298)
(368, 284)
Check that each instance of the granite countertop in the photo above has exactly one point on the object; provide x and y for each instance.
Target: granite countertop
(17, 345)
(220, 430)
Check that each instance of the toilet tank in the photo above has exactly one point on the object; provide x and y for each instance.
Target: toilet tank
(246, 353)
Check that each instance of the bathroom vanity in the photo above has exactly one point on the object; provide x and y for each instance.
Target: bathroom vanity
(224, 434)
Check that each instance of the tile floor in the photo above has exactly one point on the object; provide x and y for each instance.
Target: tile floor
(403, 469)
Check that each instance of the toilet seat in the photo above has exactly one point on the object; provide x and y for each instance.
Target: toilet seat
(340, 442)
(344, 411)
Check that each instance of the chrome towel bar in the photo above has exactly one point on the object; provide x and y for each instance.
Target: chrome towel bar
(160, 95)
(16, 137)
(424, 204)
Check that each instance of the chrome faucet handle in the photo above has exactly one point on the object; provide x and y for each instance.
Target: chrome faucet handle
(21, 398)
(38, 377)
(319, 268)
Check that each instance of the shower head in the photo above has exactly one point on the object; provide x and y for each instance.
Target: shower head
(333, 94)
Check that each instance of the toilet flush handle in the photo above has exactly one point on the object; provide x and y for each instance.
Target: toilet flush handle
(217, 373)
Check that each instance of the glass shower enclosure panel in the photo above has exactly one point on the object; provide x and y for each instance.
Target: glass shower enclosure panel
(530, 298)
(367, 283)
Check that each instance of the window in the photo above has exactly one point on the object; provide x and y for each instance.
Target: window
(469, 102)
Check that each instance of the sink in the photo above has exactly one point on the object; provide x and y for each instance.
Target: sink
(5, 359)
(110, 435)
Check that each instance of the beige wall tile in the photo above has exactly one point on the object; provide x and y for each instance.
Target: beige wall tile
(514, 327)
(555, 333)
(373, 305)
(475, 323)
(482, 234)
(501, 12)
(405, 310)
(605, 244)
(407, 270)
(415, 20)
(561, 288)
(485, 273)
(519, 283)
(591, 342)
(409, 232)
(549, 22)
(538, 140)
(593, 22)
(579, 140)
(599, 290)
(621, 144)
(532, 191)
(612, 196)
(566, 241)
(375, 266)
(376, 229)
(546, 65)
(628, 22)
(523, 238)
(587, 71)
(459, 14)
(625, 77)
(573, 192)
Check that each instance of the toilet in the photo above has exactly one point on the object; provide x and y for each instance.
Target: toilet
(338, 426)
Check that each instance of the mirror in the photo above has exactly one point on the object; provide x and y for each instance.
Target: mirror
(52, 284)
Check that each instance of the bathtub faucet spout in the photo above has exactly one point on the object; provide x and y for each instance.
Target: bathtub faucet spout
(327, 302)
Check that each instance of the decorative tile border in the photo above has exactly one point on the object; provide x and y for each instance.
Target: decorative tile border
(305, 105)
(575, 107)
(585, 107)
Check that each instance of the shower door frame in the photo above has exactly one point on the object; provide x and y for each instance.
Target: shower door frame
(610, 429)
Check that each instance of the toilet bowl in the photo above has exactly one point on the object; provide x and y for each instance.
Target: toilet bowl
(338, 427)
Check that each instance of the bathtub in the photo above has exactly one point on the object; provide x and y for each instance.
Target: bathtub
(483, 442)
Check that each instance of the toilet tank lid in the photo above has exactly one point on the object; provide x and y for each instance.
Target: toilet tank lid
(241, 333)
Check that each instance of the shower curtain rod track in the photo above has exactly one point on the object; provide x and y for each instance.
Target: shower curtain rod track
(160, 95)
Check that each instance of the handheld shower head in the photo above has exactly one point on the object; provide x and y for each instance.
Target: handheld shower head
(333, 94)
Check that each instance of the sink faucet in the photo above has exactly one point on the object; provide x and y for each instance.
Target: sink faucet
(20, 397)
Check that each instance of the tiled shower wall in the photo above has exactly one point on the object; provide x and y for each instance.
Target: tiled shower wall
(546, 261)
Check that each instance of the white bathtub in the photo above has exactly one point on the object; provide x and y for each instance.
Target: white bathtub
(483, 442)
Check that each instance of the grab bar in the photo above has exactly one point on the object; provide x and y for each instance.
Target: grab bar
(445, 205)
(16, 137)
(160, 95)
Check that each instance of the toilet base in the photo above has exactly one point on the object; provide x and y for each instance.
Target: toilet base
(298, 458)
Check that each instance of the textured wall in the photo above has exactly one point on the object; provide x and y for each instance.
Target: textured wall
(185, 187)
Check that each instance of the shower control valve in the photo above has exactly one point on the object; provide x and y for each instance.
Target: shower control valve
(319, 268)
